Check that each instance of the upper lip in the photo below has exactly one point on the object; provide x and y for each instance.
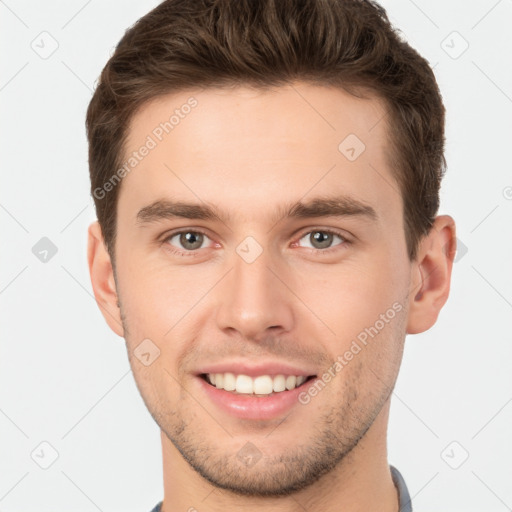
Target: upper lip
(253, 370)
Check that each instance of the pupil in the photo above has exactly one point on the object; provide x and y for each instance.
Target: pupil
(322, 239)
(191, 240)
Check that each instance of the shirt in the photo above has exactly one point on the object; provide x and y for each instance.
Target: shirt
(404, 500)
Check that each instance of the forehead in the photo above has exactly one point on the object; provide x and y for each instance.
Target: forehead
(249, 148)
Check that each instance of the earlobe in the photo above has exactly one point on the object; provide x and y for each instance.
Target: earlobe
(102, 278)
(431, 277)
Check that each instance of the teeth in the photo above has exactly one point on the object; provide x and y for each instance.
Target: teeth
(244, 384)
(279, 383)
(262, 385)
(229, 381)
(291, 382)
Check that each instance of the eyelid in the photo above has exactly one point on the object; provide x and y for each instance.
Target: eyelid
(334, 231)
(182, 252)
(169, 234)
(346, 240)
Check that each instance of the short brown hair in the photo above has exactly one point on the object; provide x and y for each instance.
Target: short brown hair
(221, 43)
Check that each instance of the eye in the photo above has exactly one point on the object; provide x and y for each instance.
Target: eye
(188, 240)
(320, 239)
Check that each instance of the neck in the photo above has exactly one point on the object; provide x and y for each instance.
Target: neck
(362, 481)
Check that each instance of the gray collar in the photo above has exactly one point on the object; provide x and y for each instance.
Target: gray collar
(404, 499)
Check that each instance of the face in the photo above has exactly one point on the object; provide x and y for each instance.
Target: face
(249, 241)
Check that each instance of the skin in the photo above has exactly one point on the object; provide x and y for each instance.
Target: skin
(249, 152)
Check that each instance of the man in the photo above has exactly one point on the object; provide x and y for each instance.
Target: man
(266, 178)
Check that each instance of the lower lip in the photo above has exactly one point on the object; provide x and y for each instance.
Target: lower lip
(253, 407)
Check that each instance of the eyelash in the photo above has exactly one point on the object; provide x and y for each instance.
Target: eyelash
(194, 253)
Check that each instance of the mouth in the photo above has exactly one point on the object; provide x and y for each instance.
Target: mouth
(261, 386)
(254, 398)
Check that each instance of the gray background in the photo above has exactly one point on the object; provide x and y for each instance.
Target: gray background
(65, 380)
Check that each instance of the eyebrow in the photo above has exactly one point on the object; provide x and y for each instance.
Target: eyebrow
(338, 206)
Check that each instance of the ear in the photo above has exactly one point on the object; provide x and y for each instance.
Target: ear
(102, 278)
(431, 275)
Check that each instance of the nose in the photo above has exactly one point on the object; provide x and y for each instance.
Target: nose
(254, 299)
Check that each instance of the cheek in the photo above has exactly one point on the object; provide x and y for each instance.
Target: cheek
(160, 302)
(148, 284)
(363, 307)
(351, 296)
